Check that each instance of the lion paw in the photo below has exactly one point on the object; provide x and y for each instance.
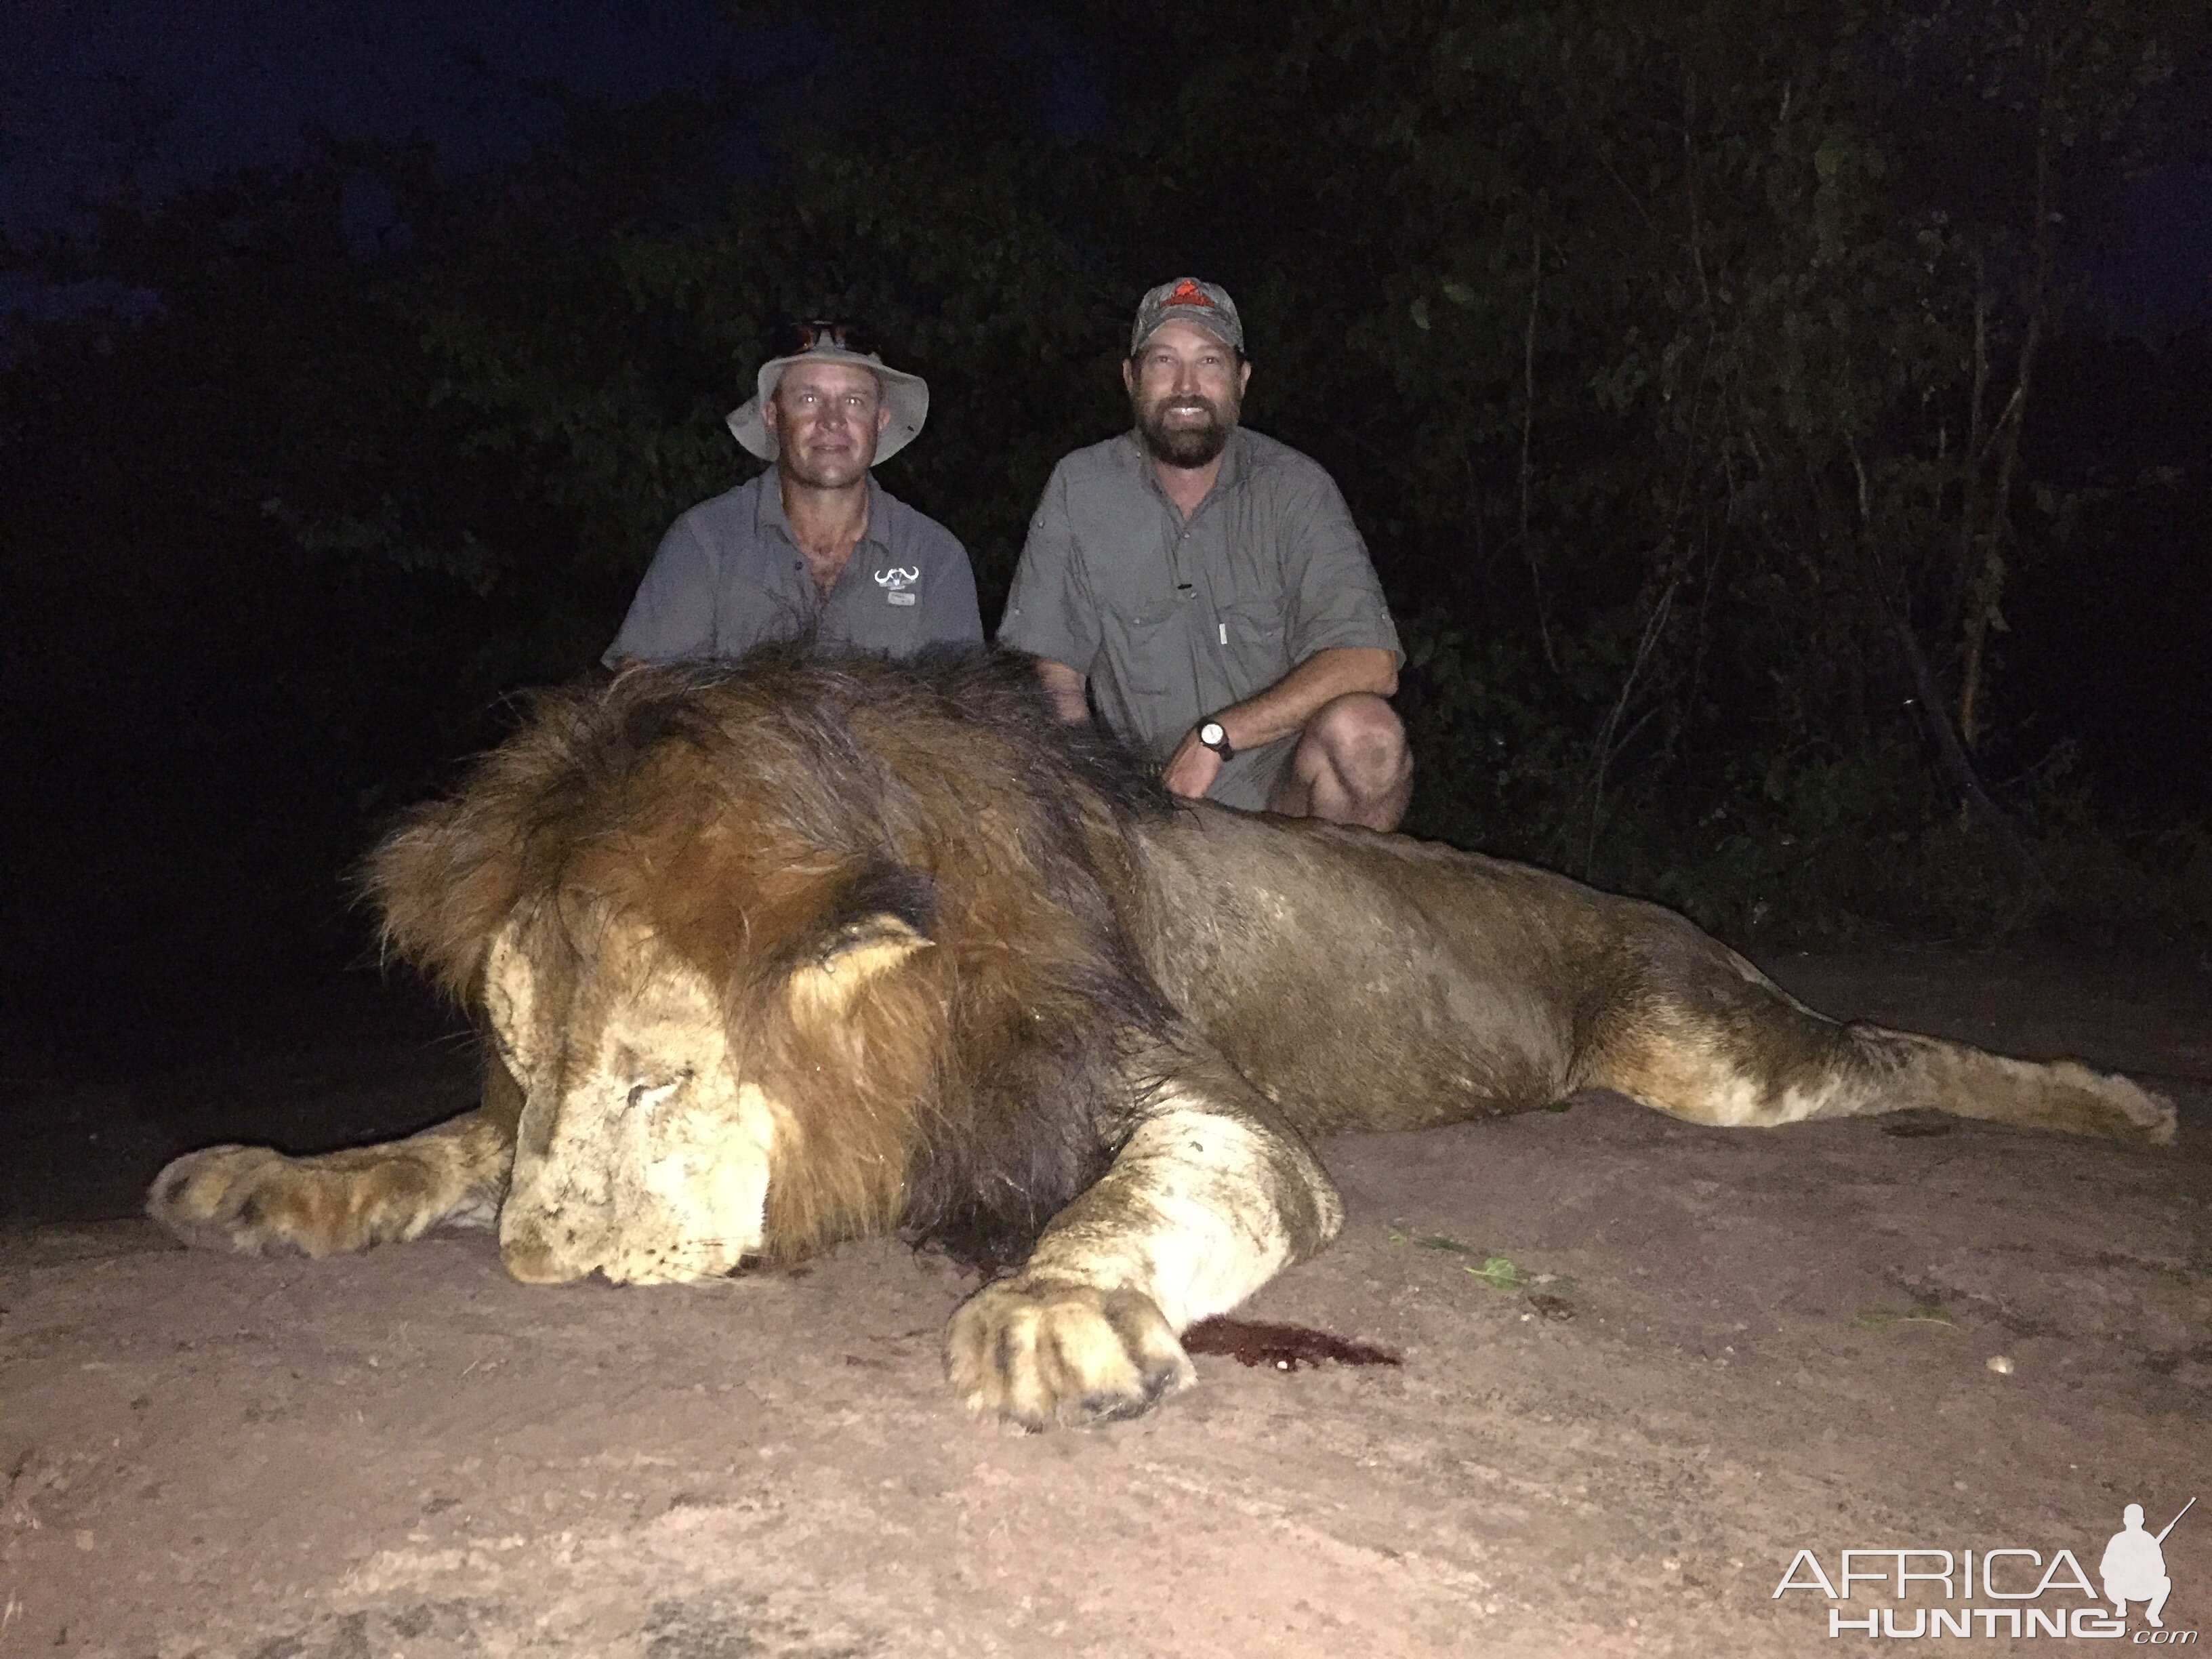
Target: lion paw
(1037, 1354)
(249, 1198)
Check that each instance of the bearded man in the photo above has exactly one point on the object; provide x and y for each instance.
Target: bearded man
(1206, 586)
(814, 545)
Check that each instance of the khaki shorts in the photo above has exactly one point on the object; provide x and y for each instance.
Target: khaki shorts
(1249, 779)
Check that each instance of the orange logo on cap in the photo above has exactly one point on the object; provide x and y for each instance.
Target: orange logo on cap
(1188, 293)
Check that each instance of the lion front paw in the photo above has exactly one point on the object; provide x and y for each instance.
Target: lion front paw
(249, 1198)
(1037, 1354)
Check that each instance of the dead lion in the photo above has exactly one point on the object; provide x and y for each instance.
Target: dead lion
(804, 950)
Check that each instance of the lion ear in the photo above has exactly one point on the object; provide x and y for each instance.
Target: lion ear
(883, 917)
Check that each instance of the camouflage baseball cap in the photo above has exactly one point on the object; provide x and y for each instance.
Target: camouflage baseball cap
(1187, 299)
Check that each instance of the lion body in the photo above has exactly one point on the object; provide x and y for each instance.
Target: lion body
(806, 950)
(1455, 986)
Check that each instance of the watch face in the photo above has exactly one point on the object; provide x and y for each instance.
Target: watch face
(1211, 733)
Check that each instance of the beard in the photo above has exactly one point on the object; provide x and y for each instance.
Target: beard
(1187, 447)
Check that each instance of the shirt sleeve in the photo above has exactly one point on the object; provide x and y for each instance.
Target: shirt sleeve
(948, 613)
(1336, 598)
(672, 617)
(1048, 610)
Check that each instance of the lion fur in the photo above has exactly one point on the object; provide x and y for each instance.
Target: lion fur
(991, 983)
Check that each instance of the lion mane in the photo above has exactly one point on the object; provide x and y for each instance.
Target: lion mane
(764, 824)
(812, 947)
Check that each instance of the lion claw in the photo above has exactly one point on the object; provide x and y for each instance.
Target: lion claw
(257, 1201)
(211, 1197)
(1037, 1355)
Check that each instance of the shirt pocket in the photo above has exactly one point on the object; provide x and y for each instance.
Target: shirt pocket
(1254, 636)
(1145, 688)
(1141, 642)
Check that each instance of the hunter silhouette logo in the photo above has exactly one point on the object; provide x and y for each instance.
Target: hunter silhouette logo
(1990, 1592)
(2134, 1567)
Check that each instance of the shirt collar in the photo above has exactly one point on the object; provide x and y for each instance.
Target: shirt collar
(1232, 464)
(1232, 460)
(769, 513)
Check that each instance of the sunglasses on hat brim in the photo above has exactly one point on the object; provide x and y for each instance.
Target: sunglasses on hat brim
(818, 334)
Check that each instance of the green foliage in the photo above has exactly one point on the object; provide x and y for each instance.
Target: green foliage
(1791, 838)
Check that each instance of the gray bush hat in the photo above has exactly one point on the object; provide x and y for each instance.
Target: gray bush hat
(1187, 299)
(906, 396)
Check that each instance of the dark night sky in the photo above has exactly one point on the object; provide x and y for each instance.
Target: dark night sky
(2146, 244)
(99, 97)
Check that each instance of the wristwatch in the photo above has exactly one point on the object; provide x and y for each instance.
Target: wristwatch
(1215, 736)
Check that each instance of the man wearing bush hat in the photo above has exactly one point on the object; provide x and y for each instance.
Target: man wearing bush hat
(1205, 585)
(813, 544)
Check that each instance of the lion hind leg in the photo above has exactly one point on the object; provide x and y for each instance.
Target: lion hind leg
(253, 1199)
(1749, 1055)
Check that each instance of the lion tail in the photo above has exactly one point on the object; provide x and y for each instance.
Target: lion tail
(1969, 1082)
(1730, 1047)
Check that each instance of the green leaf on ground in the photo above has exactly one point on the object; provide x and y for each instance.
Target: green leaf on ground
(1499, 1272)
(1920, 1313)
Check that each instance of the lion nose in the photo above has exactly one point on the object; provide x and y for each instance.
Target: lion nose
(533, 1261)
(530, 1252)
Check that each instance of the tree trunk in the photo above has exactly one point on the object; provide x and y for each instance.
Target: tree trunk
(1986, 589)
(1852, 544)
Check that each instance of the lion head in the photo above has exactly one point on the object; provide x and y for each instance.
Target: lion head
(782, 954)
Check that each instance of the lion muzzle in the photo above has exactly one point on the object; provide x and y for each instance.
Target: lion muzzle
(639, 1154)
(669, 1190)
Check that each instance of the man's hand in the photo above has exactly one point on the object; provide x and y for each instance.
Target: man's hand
(1192, 769)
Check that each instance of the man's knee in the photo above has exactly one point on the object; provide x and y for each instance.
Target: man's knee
(1352, 765)
(1361, 739)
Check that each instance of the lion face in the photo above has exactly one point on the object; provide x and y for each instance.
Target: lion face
(641, 1155)
(663, 1102)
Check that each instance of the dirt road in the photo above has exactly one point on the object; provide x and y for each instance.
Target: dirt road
(1644, 1365)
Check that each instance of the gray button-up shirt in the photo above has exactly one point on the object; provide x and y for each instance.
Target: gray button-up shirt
(1175, 619)
(728, 577)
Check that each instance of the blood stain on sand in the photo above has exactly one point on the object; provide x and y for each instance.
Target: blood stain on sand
(1282, 1347)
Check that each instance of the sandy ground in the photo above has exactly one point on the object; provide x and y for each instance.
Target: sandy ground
(1728, 1345)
